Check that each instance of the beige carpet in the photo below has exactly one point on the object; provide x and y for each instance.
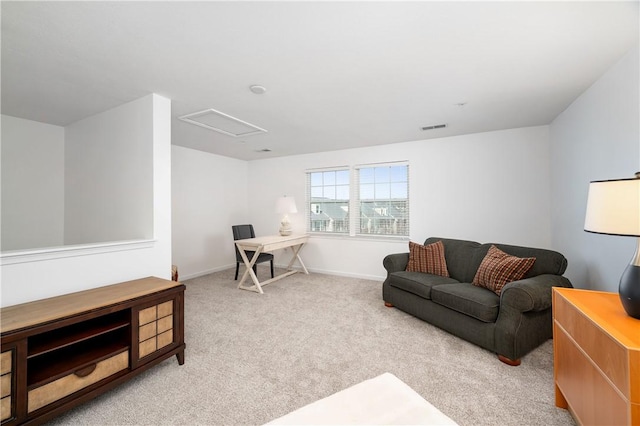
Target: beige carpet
(251, 358)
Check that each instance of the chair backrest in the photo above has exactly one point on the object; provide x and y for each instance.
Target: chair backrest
(240, 232)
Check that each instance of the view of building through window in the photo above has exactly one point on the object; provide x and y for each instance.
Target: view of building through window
(379, 203)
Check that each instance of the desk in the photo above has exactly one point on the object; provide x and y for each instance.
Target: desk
(269, 243)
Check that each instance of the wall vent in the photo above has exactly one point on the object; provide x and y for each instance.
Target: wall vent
(222, 123)
(263, 150)
(435, 126)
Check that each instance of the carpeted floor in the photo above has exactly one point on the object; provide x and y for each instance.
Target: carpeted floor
(251, 358)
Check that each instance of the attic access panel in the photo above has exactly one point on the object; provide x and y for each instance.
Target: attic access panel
(222, 123)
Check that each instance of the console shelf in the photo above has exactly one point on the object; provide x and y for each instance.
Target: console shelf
(60, 352)
(70, 359)
(59, 338)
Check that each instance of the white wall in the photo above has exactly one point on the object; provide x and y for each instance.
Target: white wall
(596, 138)
(108, 175)
(209, 195)
(487, 187)
(32, 184)
(30, 278)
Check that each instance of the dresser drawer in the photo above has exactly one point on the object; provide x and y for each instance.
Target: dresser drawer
(607, 354)
(590, 395)
(74, 382)
(596, 357)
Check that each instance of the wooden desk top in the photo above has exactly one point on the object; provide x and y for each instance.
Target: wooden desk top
(269, 239)
(605, 310)
(40, 311)
(273, 242)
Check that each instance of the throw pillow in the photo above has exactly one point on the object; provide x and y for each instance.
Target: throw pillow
(429, 259)
(499, 268)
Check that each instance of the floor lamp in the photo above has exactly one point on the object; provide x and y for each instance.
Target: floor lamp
(613, 208)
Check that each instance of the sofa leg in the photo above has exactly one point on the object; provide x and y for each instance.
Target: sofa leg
(388, 305)
(508, 361)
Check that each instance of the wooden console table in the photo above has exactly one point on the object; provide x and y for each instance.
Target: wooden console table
(269, 243)
(596, 357)
(59, 352)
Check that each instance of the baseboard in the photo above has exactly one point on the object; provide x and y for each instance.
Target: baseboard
(206, 272)
(339, 273)
(283, 266)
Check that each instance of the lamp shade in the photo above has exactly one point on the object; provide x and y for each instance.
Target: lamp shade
(613, 207)
(285, 205)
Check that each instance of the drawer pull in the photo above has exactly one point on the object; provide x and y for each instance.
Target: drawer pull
(84, 372)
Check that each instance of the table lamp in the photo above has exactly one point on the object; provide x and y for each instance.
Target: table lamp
(613, 208)
(286, 205)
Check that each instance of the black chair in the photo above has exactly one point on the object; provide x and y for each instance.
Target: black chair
(241, 232)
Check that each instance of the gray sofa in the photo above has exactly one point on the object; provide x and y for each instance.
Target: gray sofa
(510, 325)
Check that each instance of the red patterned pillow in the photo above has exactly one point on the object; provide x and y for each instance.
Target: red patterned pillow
(499, 268)
(429, 259)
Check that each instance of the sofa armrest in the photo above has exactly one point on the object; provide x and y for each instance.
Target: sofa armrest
(532, 294)
(396, 262)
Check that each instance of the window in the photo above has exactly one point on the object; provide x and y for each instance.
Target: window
(365, 200)
(383, 201)
(328, 196)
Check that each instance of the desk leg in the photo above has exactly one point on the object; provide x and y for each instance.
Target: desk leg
(249, 271)
(296, 256)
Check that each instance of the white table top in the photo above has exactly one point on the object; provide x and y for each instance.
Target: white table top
(273, 239)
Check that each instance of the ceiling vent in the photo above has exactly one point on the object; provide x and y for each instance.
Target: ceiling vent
(222, 123)
(436, 126)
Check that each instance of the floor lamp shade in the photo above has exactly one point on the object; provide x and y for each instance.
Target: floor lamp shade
(613, 208)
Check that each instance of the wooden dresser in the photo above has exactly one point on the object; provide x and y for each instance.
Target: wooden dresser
(57, 353)
(596, 357)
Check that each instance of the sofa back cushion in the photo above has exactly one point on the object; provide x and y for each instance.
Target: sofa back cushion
(460, 256)
(464, 257)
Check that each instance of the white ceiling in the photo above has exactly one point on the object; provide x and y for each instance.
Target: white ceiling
(338, 74)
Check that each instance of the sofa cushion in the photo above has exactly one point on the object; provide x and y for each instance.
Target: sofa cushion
(547, 261)
(476, 302)
(417, 283)
(428, 259)
(499, 268)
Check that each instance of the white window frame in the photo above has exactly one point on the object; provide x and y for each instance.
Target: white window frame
(354, 202)
(308, 197)
(356, 217)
